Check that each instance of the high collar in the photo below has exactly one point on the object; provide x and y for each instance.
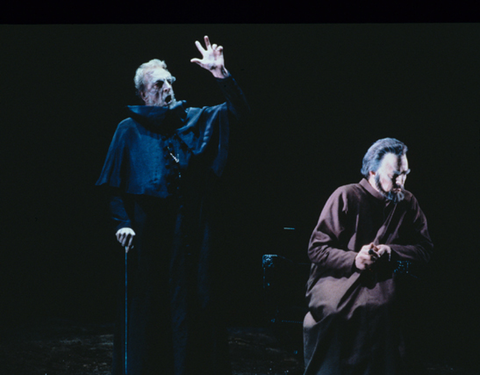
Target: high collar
(160, 119)
(366, 185)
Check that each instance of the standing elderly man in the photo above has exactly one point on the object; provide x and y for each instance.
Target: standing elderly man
(160, 169)
(366, 234)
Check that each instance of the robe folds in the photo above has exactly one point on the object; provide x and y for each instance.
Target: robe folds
(354, 322)
(160, 171)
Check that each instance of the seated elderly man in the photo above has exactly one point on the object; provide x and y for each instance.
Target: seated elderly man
(364, 233)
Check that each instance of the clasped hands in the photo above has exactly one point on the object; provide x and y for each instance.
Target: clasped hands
(370, 254)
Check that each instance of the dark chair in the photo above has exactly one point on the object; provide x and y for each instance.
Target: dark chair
(284, 297)
(284, 289)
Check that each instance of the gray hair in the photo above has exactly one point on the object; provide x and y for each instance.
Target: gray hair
(143, 70)
(376, 152)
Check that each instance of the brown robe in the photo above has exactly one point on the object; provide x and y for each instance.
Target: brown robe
(353, 324)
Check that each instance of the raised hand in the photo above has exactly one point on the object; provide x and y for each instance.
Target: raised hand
(212, 58)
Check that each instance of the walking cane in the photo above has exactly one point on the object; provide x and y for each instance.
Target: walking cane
(126, 311)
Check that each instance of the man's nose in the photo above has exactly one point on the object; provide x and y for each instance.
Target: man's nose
(400, 181)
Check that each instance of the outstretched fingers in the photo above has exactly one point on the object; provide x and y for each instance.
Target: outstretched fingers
(218, 51)
(212, 58)
(207, 41)
(200, 47)
(202, 51)
(208, 45)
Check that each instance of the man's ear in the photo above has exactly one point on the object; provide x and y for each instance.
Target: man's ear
(371, 174)
(142, 96)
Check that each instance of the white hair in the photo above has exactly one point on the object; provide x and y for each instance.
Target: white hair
(143, 70)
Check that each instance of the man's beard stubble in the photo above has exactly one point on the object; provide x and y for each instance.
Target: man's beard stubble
(154, 101)
(392, 196)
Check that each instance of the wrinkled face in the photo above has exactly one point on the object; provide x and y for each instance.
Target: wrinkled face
(158, 88)
(390, 177)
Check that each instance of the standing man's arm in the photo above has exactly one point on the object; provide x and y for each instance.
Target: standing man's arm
(125, 234)
(213, 61)
(110, 178)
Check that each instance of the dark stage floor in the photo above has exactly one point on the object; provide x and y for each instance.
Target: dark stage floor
(61, 347)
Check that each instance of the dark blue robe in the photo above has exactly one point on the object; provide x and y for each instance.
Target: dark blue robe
(161, 167)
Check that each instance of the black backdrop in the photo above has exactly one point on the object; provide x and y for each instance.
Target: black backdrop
(320, 95)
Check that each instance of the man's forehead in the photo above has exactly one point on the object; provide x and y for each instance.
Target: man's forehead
(156, 74)
(392, 161)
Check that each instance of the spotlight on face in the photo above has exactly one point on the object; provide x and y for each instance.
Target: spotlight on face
(158, 89)
(390, 177)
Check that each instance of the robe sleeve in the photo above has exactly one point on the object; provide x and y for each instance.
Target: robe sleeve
(111, 179)
(236, 103)
(118, 211)
(238, 107)
(324, 247)
(112, 172)
(213, 125)
(414, 245)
